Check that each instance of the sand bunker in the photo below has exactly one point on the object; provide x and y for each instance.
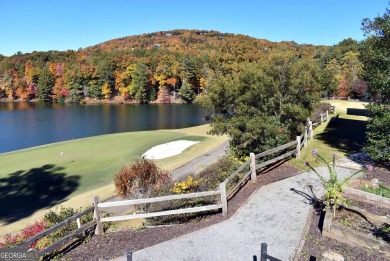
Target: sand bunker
(168, 149)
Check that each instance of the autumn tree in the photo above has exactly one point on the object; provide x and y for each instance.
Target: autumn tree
(6, 83)
(121, 82)
(105, 74)
(351, 69)
(375, 56)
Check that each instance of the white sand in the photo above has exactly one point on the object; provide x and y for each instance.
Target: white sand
(168, 149)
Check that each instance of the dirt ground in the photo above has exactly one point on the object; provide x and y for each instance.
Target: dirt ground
(315, 244)
(116, 244)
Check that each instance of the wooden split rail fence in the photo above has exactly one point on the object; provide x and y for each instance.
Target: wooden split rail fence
(81, 228)
(226, 190)
(99, 206)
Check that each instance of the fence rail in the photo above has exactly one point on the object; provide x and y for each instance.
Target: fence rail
(235, 173)
(233, 189)
(99, 206)
(162, 213)
(52, 229)
(271, 161)
(271, 151)
(80, 229)
(66, 238)
(157, 199)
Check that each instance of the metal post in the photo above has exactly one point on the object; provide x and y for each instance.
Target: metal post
(129, 256)
(253, 167)
(298, 155)
(263, 252)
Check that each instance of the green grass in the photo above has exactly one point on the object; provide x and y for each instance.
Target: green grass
(381, 190)
(37, 179)
(93, 159)
(344, 134)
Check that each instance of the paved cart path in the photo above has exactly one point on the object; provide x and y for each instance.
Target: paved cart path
(201, 162)
(192, 166)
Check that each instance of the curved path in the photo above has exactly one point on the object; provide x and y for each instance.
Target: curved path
(275, 214)
(201, 162)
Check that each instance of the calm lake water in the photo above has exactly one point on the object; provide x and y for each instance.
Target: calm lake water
(24, 125)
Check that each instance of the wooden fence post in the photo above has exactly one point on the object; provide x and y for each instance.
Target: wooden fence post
(298, 147)
(305, 138)
(311, 134)
(97, 214)
(253, 167)
(78, 222)
(327, 115)
(322, 121)
(222, 188)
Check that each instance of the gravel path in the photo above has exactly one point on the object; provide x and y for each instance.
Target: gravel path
(276, 214)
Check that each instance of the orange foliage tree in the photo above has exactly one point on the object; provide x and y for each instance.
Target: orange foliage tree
(140, 179)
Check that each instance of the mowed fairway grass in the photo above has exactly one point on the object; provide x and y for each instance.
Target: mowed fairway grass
(36, 179)
(343, 134)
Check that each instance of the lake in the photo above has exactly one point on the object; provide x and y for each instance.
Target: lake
(25, 124)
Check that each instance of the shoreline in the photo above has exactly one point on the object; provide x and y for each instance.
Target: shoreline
(114, 100)
(78, 139)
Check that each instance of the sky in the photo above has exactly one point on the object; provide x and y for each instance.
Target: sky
(42, 25)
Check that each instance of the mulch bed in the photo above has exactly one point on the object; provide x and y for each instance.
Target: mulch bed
(116, 244)
(315, 244)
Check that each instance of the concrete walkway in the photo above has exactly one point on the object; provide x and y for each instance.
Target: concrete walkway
(275, 214)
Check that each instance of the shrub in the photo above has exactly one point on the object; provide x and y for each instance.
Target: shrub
(27, 232)
(322, 108)
(378, 133)
(187, 186)
(50, 219)
(55, 217)
(140, 179)
(217, 172)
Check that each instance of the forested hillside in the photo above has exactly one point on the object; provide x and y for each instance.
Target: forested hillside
(155, 66)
